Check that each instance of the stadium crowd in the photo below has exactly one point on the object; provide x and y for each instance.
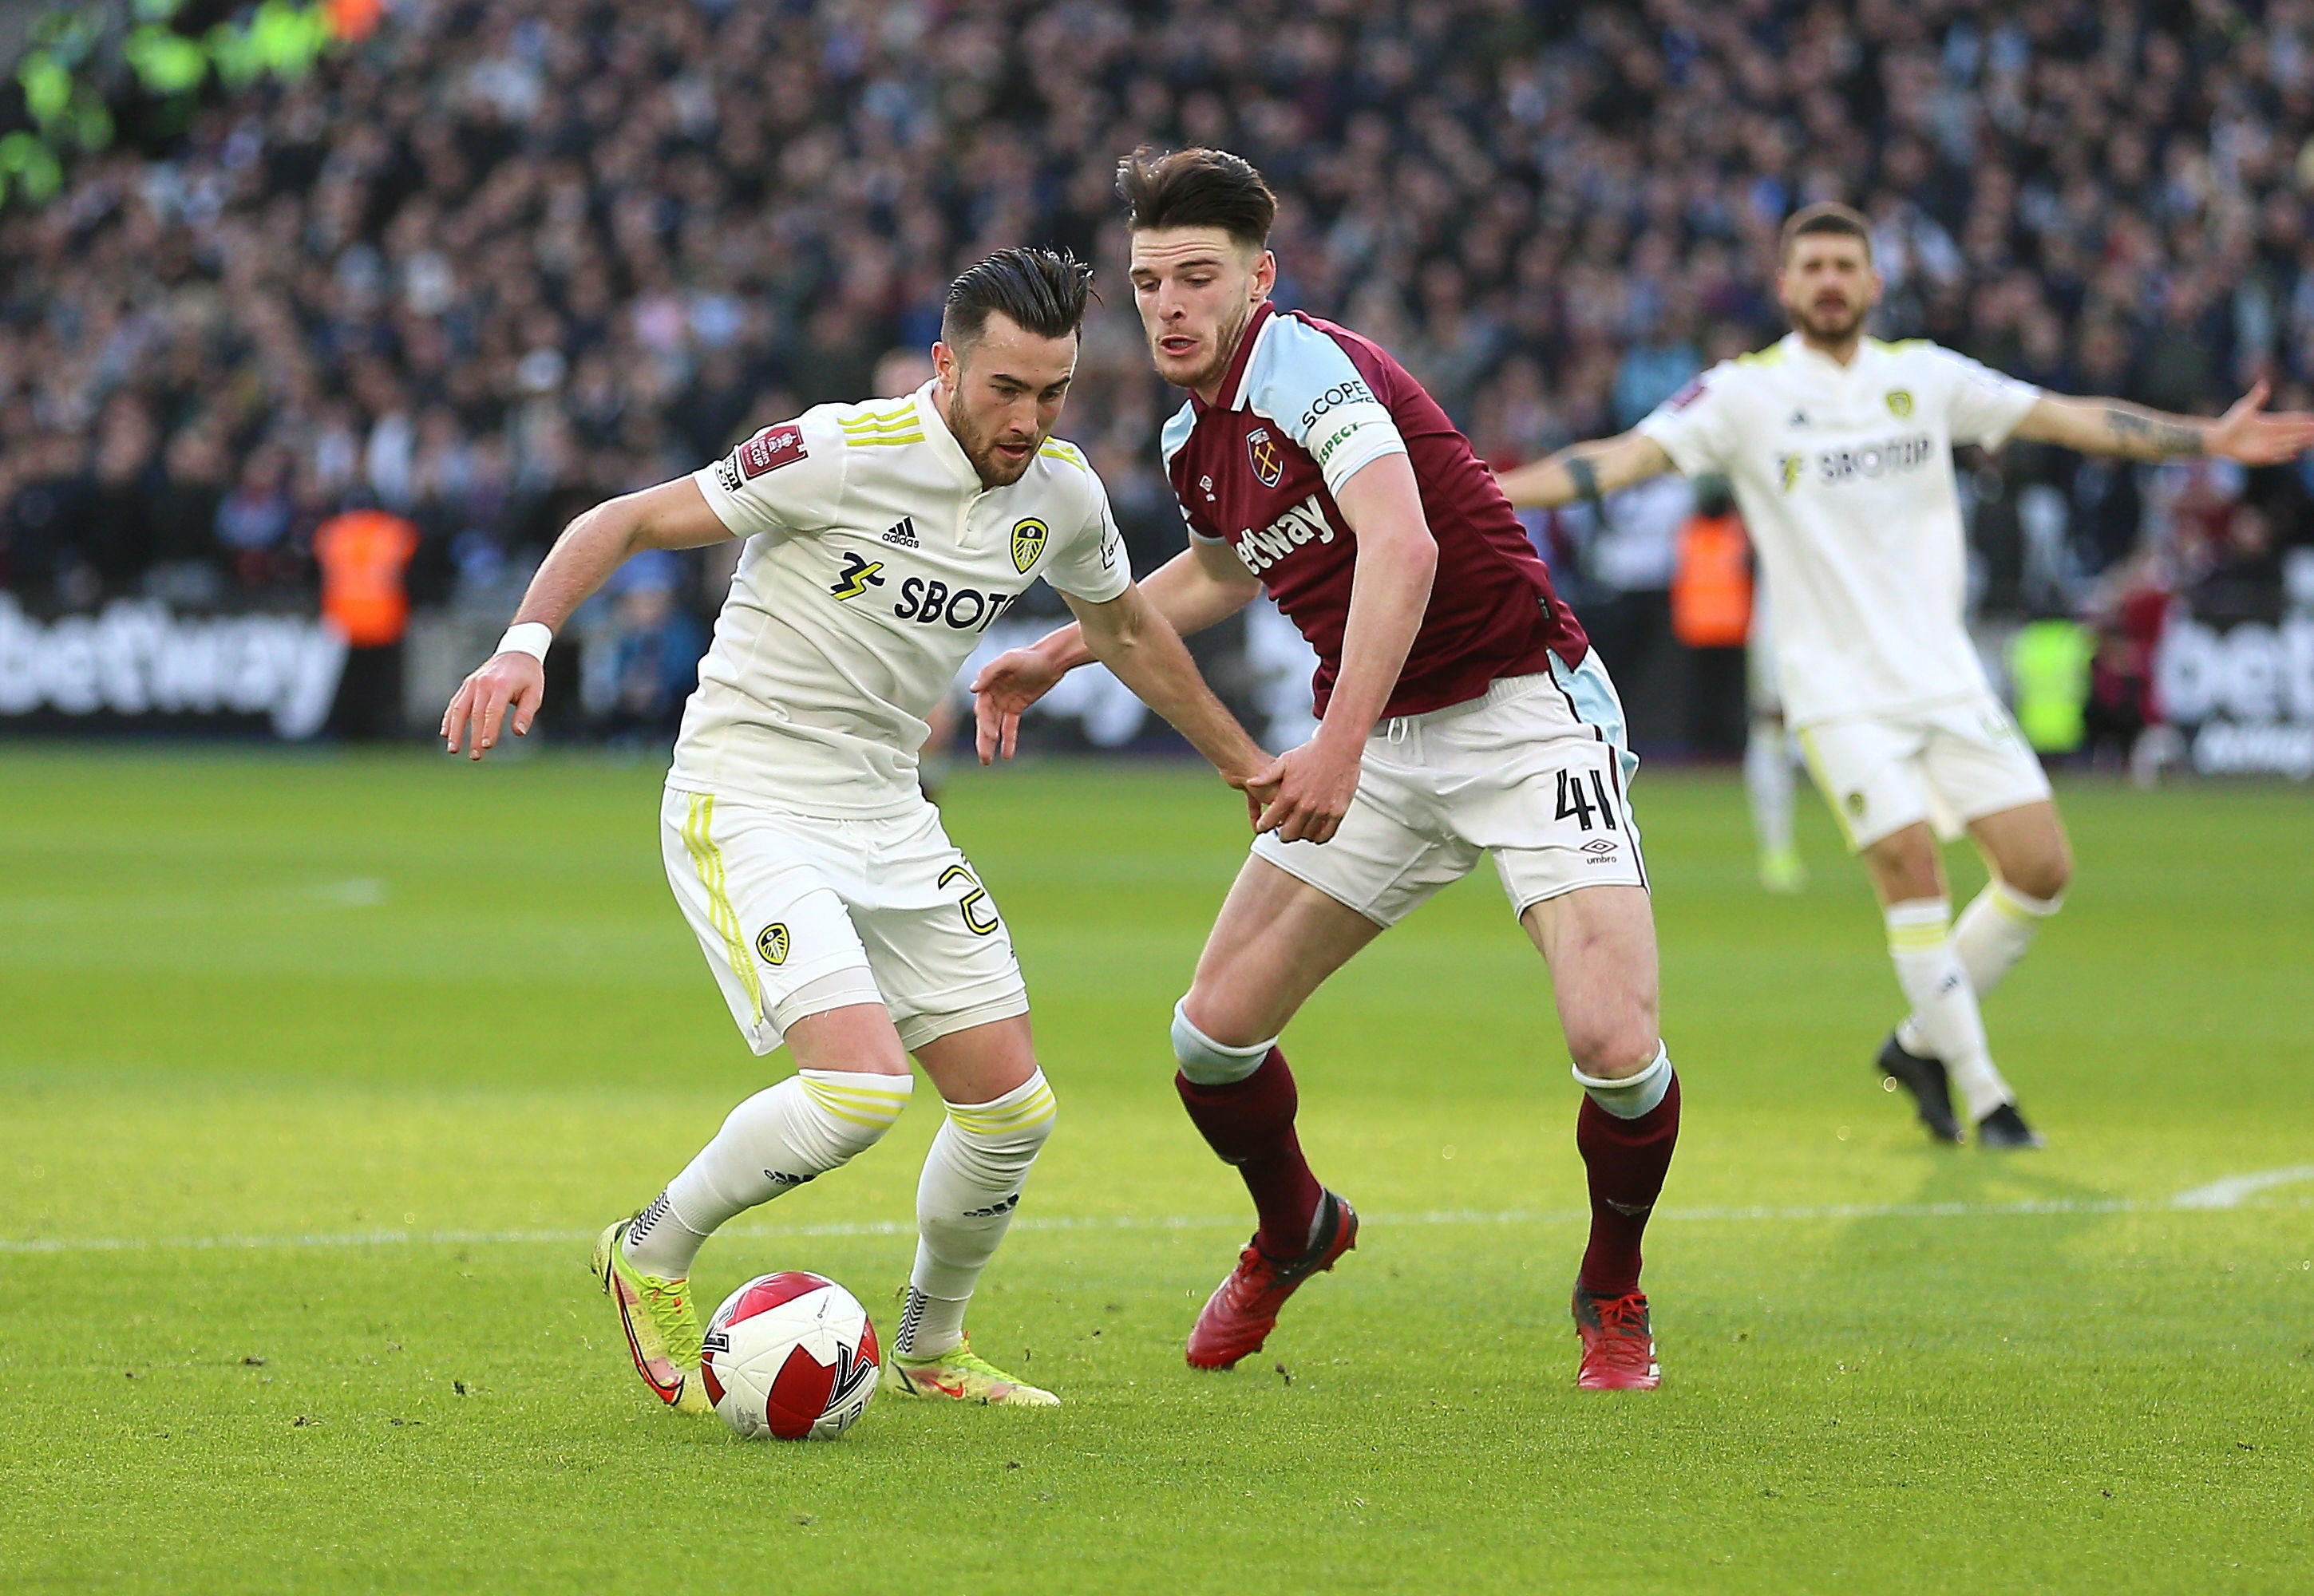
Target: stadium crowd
(510, 256)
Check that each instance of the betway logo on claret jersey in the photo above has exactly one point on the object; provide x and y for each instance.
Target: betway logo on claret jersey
(1305, 523)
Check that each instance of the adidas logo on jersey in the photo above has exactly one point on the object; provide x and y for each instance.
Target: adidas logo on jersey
(902, 533)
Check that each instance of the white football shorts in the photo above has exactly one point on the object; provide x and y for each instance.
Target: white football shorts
(801, 913)
(1947, 765)
(1533, 772)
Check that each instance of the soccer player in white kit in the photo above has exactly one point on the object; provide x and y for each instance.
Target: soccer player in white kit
(882, 541)
(1840, 450)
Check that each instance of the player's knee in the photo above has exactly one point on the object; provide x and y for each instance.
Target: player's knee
(2045, 876)
(1904, 874)
(1211, 1063)
(827, 1117)
(1001, 1138)
(1633, 1093)
(1614, 1047)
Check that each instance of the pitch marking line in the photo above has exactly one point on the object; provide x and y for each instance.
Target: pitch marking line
(2231, 1193)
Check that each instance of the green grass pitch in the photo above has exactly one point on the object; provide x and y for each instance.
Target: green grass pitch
(321, 1071)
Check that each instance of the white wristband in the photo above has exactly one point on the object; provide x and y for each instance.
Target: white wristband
(531, 638)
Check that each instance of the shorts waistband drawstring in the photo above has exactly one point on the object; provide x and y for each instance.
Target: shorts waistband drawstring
(1399, 729)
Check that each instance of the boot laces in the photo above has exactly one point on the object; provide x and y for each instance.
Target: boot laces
(1625, 1316)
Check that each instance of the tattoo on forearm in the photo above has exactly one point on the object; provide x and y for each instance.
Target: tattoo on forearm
(2134, 430)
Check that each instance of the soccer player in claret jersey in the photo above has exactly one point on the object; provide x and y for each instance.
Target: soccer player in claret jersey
(835, 914)
(1840, 449)
(1463, 715)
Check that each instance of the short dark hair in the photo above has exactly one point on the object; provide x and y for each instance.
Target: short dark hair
(1197, 188)
(1043, 291)
(1826, 216)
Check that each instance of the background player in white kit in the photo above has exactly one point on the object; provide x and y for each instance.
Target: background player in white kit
(1840, 450)
(882, 540)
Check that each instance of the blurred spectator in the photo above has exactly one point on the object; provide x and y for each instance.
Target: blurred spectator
(1711, 617)
(363, 555)
(253, 519)
(643, 661)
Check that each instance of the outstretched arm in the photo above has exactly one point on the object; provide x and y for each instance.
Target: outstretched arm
(2115, 427)
(1585, 470)
(1131, 636)
(1202, 585)
(672, 515)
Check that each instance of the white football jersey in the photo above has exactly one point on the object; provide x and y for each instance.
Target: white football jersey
(1844, 475)
(874, 560)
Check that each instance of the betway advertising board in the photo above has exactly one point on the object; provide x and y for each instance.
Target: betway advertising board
(2244, 693)
(139, 664)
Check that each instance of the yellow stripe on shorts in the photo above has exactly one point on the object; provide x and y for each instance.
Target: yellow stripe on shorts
(1823, 785)
(707, 860)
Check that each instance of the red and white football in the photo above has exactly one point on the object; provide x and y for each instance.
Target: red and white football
(791, 1355)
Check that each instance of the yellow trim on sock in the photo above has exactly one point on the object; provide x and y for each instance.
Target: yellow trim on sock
(2012, 904)
(860, 1105)
(707, 860)
(1037, 1108)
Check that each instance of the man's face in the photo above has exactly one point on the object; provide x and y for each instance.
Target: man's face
(1002, 394)
(1827, 285)
(1195, 287)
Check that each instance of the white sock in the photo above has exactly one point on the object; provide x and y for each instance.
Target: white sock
(1634, 1096)
(1768, 782)
(1944, 1003)
(971, 1185)
(774, 1141)
(1993, 934)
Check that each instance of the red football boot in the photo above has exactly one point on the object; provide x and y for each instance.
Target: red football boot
(1618, 1351)
(1241, 1312)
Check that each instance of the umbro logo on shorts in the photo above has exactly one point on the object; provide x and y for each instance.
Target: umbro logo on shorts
(1600, 845)
(902, 533)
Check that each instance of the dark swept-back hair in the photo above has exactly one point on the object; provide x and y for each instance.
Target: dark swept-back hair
(1197, 188)
(1826, 216)
(1042, 291)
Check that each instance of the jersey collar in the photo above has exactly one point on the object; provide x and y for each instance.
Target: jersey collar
(1232, 390)
(1824, 365)
(942, 442)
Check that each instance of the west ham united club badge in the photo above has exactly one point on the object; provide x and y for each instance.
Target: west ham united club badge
(1269, 465)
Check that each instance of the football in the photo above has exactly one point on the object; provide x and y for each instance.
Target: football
(790, 1355)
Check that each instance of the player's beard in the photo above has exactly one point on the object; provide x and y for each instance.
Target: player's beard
(1835, 327)
(995, 471)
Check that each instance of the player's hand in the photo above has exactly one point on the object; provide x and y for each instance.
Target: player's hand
(1006, 685)
(1305, 792)
(510, 681)
(2247, 433)
(1251, 782)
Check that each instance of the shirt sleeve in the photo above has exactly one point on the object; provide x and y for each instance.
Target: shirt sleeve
(1092, 564)
(1695, 426)
(1984, 406)
(1305, 382)
(787, 478)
